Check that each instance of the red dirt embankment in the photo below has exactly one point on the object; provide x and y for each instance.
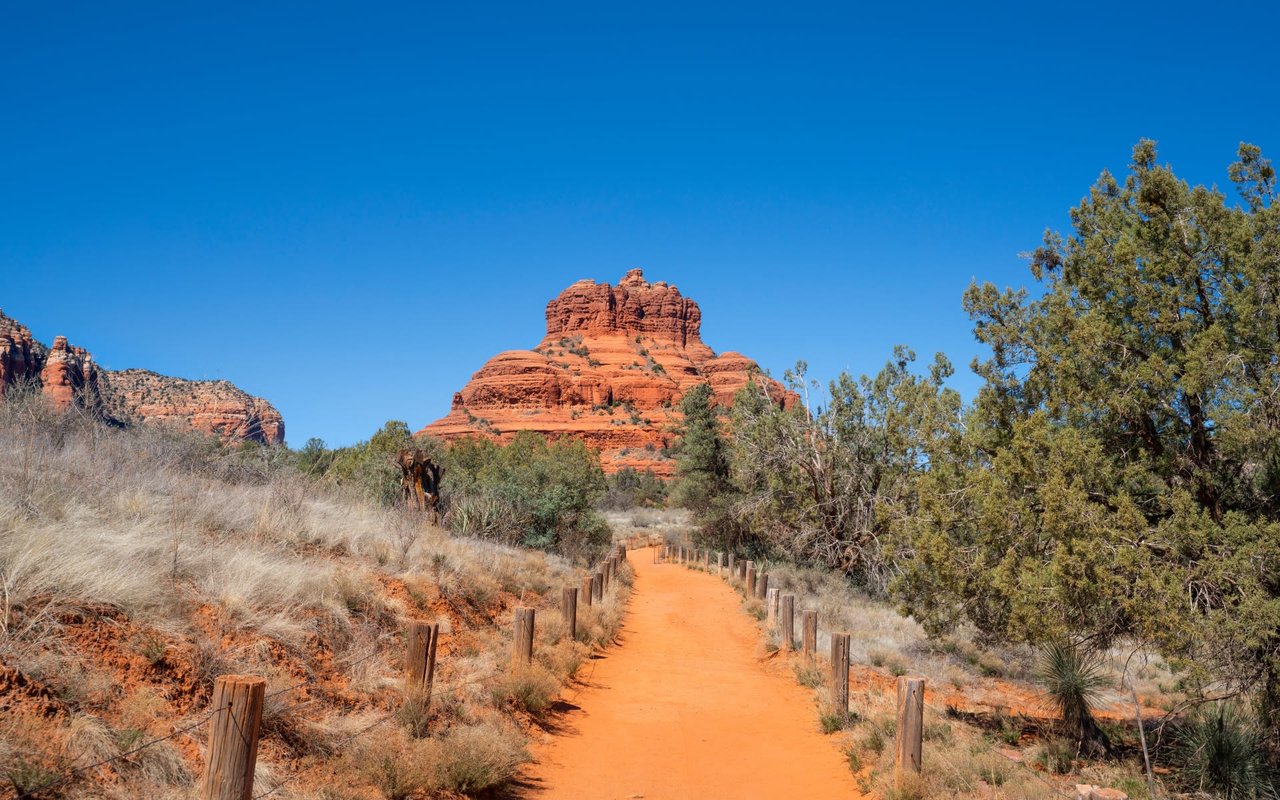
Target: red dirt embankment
(686, 708)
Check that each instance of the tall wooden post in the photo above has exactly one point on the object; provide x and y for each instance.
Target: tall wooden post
(585, 595)
(733, 567)
(522, 644)
(420, 643)
(771, 607)
(234, 726)
(810, 640)
(569, 609)
(910, 726)
(597, 586)
(751, 581)
(762, 585)
(720, 564)
(840, 674)
(787, 620)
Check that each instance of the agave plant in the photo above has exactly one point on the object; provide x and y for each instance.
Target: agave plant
(1075, 679)
(1222, 751)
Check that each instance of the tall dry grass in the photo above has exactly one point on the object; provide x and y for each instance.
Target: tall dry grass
(221, 559)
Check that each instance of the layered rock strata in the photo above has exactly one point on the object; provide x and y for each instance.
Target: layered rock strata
(611, 370)
(68, 378)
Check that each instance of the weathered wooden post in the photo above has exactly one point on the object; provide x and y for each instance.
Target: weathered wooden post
(810, 642)
(762, 585)
(733, 567)
(706, 560)
(569, 609)
(751, 581)
(597, 586)
(420, 643)
(586, 590)
(235, 722)
(787, 616)
(771, 607)
(840, 674)
(606, 576)
(522, 644)
(720, 564)
(910, 727)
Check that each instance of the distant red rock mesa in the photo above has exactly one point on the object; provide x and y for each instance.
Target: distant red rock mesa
(68, 377)
(611, 371)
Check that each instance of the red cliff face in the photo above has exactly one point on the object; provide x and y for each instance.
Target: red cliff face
(214, 407)
(68, 377)
(611, 370)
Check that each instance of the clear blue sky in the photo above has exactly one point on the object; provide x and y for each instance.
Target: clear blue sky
(346, 208)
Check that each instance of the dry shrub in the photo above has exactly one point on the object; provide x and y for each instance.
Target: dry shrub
(478, 757)
(532, 688)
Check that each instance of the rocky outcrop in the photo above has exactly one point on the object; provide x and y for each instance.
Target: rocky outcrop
(20, 354)
(68, 377)
(611, 370)
(215, 407)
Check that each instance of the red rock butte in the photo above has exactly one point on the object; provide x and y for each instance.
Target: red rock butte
(610, 371)
(68, 378)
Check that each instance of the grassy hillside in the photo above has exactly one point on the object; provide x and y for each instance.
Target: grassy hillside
(136, 566)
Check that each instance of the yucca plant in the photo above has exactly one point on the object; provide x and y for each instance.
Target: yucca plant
(1074, 679)
(1222, 751)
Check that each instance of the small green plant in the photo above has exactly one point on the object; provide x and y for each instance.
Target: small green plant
(1074, 679)
(810, 675)
(27, 777)
(152, 647)
(854, 759)
(873, 741)
(1056, 756)
(1223, 751)
(414, 714)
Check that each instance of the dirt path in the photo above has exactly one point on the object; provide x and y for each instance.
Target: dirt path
(685, 708)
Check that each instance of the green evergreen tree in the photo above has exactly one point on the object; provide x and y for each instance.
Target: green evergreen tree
(1119, 473)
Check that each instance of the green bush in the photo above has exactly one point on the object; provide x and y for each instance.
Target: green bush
(1223, 751)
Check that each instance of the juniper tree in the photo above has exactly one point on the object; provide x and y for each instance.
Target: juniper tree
(1120, 472)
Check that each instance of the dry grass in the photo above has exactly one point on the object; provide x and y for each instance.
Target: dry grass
(137, 565)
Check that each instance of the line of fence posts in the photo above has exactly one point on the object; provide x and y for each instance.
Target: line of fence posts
(235, 718)
(781, 612)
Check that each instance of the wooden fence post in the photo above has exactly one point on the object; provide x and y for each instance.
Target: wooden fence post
(751, 581)
(720, 564)
(810, 636)
(420, 655)
(522, 640)
(733, 567)
(762, 585)
(771, 607)
(840, 674)
(787, 615)
(910, 726)
(586, 590)
(569, 608)
(233, 737)
(597, 586)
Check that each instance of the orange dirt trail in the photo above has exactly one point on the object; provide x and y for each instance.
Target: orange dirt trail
(685, 708)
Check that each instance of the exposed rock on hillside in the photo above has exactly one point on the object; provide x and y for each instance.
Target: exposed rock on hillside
(68, 376)
(216, 407)
(611, 370)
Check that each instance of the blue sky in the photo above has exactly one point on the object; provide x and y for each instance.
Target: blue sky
(347, 208)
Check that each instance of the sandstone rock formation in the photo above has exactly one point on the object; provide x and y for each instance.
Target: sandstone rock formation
(68, 377)
(216, 407)
(611, 370)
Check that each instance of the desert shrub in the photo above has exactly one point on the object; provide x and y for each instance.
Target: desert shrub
(479, 757)
(629, 488)
(529, 492)
(1223, 751)
(532, 688)
(1074, 679)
